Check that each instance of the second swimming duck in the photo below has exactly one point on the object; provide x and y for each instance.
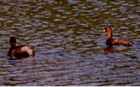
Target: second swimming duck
(111, 41)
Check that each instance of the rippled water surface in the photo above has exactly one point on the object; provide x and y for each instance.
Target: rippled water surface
(69, 40)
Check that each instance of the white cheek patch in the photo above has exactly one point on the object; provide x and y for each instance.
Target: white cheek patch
(27, 49)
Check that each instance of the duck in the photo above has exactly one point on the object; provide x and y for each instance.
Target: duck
(110, 42)
(19, 51)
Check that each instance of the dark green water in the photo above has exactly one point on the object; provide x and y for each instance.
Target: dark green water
(69, 39)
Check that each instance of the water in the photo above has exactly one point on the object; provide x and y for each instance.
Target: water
(69, 39)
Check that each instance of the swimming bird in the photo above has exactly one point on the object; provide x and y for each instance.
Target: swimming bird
(110, 42)
(19, 51)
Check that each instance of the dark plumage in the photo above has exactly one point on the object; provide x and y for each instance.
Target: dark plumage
(111, 41)
(20, 51)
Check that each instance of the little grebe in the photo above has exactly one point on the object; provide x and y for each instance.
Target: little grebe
(111, 41)
(20, 51)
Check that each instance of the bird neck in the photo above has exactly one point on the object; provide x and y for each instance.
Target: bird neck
(109, 34)
(109, 42)
(13, 45)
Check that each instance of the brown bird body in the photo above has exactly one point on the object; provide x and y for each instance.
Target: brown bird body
(20, 51)
(111, 41)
